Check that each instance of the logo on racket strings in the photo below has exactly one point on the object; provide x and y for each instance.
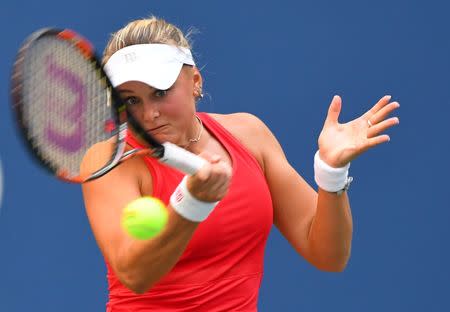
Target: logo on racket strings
(68, 115)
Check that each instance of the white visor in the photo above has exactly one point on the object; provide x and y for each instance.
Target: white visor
(157, 65)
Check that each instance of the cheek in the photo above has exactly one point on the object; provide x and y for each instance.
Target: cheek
(172, 108)
(178, 106)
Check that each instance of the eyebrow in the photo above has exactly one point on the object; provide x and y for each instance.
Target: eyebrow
(125, 91)
(131, 91)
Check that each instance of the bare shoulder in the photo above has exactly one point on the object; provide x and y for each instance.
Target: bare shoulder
(248, 129)
(240, 121)
(134, 168)
(96, 157)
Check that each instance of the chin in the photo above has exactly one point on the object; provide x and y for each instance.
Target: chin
(163, 137)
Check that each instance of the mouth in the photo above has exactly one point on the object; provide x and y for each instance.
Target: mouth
(156, 129)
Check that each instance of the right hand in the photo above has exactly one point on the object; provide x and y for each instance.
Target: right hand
(211, 182)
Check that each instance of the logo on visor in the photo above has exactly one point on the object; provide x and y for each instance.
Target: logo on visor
(130, 57)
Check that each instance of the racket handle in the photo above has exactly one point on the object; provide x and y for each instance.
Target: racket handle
(181, 159)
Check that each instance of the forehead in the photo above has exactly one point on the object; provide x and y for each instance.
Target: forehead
(134, 86)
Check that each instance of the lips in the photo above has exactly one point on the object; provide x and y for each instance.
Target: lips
(156, 129)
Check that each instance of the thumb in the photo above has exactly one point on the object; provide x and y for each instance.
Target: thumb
(204, 172)
(334, 110)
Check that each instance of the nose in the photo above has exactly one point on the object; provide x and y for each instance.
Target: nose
(150, 111)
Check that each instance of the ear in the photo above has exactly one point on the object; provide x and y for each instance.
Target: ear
(198, 81)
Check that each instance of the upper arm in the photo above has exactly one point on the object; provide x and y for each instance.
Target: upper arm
(294, 200)
(105, 199)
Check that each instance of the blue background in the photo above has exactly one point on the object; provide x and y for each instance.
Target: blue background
(282, 61)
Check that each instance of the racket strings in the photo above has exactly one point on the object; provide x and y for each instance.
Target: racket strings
(66, 106)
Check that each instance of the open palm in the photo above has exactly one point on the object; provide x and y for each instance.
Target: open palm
(341, 143)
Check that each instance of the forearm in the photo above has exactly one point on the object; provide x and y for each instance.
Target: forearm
(140, 264)
(330, 233)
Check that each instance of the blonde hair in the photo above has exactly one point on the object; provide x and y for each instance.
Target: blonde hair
(149, 30)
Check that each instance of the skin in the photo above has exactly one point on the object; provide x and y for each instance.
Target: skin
(317, 224)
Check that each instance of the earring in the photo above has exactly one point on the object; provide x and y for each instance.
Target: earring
(199, 93)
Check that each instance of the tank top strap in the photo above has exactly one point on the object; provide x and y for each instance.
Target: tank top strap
(131, 140)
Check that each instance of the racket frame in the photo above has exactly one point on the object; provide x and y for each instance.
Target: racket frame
(123, 120)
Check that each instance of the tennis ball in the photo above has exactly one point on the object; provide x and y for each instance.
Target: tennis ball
(144, 218)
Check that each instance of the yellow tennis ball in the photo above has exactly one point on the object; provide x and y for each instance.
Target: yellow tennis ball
(144, 218)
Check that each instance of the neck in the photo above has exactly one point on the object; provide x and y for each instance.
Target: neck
(197, 134)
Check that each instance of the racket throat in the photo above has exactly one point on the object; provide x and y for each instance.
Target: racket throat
(158, 152)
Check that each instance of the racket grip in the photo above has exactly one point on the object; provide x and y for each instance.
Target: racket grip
(181, 159)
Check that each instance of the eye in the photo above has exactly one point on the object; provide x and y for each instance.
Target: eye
(131, 100)
(160, 93)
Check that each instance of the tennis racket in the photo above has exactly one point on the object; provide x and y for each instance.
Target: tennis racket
(66, 108)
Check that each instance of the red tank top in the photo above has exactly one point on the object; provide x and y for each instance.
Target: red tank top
(222, 266)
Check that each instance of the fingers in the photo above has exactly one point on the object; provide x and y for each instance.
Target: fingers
(382, 126)
(379, 105)
(376, 119)
(219, 181)
(204, 173)
(383, 112)
(212, 181)
(355, 137)
(334, 110)
(377, 140)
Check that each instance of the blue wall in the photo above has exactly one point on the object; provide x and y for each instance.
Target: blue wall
(283, 61)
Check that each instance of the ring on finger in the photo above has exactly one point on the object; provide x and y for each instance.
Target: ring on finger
(369, 123)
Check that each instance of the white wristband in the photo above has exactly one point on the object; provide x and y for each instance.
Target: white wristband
(188, 206)
(331, 179)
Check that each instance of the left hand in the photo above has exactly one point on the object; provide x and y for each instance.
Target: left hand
(341, 143)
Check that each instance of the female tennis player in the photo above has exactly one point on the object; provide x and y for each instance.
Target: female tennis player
(209, 257)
